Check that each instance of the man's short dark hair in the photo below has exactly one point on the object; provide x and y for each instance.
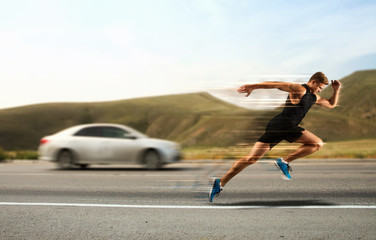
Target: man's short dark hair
(320, 77)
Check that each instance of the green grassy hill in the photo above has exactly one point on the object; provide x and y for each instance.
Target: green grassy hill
(196, 119)
(358, 98)
(191, 119)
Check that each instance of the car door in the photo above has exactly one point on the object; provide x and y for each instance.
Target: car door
(123, 146)
(91, 146)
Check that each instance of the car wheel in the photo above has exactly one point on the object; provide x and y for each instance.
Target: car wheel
(152, 160)
(83, 166)
(65, 159)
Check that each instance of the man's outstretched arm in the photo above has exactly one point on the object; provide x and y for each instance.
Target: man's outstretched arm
(333, 101)
(283, 86)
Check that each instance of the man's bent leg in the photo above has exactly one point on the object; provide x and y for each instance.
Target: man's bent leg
(257, 152)
(311, 144)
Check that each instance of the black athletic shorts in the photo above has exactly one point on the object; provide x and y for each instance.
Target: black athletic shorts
(277, 130)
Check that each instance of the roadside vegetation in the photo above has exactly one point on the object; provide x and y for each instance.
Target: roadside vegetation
(18, 155)
(341, 149)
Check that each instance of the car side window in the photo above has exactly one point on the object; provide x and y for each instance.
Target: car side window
(106, 132)
(112, 132)
(89, 132)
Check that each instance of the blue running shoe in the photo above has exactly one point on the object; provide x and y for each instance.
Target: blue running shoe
(216, 189)
(284, 168)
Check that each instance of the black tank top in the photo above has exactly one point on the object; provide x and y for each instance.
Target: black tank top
(296, 112)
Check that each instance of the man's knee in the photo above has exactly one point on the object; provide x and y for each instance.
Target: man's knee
(318, 145)
(315, 146)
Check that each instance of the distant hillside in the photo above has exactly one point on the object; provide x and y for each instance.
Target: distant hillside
(358, 98)
(196, 119)
(191, 119)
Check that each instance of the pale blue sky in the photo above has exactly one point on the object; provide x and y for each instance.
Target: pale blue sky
(108, 50)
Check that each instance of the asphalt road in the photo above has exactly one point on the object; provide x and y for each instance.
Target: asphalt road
(323, 201)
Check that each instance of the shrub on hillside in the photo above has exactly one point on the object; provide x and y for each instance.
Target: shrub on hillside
(22, 155)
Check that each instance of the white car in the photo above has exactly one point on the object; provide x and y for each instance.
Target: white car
(106, 144)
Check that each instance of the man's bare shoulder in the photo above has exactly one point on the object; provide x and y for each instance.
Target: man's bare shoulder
(296, 88)
(293, 88)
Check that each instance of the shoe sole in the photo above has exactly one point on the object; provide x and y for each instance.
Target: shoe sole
(284, 177)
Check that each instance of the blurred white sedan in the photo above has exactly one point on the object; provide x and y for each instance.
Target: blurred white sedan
(106, 144)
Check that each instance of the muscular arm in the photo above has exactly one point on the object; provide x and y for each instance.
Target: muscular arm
(293, 88)
(333, 101)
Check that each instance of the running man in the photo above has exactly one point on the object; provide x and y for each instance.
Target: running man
(284, 126)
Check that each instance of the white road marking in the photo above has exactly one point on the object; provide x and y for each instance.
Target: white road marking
(184, 206)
